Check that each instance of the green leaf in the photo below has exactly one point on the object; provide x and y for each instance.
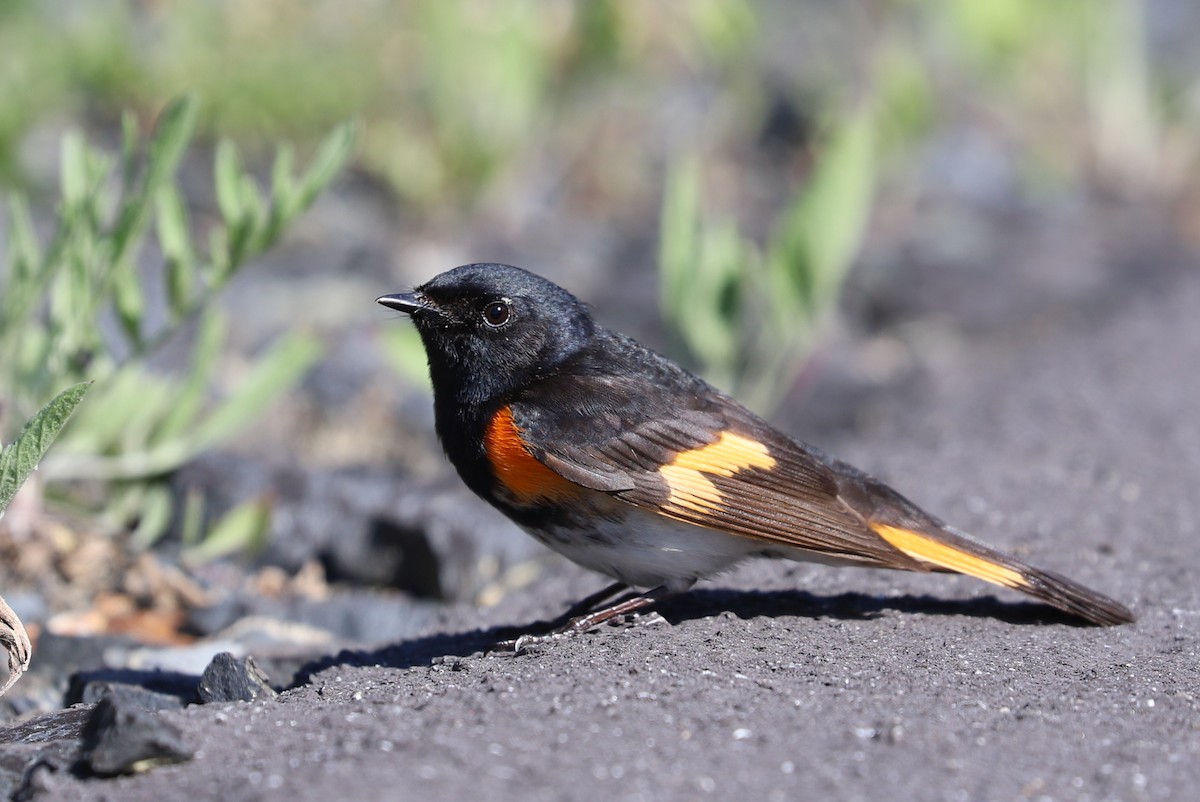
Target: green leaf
(189, 398)
(678, 229)
(21, 457)
(191, 521)
(254, 217)
(129, 301)
(841, 196)
(129, 150)
(282, 182)
(245, 529)
(227, 173)
(824, 228)
(281, 199)
(171, 136)
(123, 406)
(175, 239)
(331, 156)
(154, 516)
(217, 268)
(712, 315)
(705, 267)
(23, 257)
(74, 180)
(271, 377)
(174, 130)
(241, 208)
(23, 250)
(123, 502)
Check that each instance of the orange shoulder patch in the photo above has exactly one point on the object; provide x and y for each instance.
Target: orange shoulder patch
(518, 471)
(686, 474)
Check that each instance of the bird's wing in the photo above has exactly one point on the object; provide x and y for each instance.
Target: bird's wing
(719, 467)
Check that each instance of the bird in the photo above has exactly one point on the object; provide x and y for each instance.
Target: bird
(630, 465)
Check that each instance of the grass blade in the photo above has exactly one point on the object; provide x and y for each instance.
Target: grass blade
(273, 376)
(245, 529)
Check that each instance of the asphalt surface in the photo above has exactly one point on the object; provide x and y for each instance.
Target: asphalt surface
(1072, 439)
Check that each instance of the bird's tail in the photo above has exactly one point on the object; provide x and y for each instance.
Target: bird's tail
(947, 549)
(931, 545)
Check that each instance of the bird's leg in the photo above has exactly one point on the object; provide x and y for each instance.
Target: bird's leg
(588, 603)
(593, 619)
(590, 620)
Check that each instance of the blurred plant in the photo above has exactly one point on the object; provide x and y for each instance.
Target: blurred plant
(18, 460)
(748, 315)
(243, 529)
(82, 308)
(1074, 64)
(452, 91)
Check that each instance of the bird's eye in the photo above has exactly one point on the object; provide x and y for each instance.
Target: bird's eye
(497, 313)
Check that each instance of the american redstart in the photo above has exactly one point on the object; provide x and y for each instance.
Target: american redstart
(626, 463)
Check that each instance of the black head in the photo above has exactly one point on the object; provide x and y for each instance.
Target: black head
(489, 329)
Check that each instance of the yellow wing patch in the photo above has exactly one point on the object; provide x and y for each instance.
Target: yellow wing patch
(929, 550)
(685, 475)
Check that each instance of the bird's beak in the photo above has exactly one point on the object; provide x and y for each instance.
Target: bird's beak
(407, 302)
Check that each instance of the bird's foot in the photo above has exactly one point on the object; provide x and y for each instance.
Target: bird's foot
(589, 621)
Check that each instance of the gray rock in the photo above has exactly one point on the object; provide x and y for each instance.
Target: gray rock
(231, 679)
(119, 738)
(129, 695)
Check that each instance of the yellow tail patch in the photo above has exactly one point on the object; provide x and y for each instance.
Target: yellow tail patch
(930, 550)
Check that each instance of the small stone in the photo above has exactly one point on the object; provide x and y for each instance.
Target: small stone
(129, 695)
(230, 679)
(121, 739)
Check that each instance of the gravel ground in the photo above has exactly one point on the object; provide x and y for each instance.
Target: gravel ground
(1071, 439)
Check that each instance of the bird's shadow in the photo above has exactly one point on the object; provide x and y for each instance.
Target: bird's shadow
(701, 604)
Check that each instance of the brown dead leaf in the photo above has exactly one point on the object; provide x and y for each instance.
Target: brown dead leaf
(119, 614)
